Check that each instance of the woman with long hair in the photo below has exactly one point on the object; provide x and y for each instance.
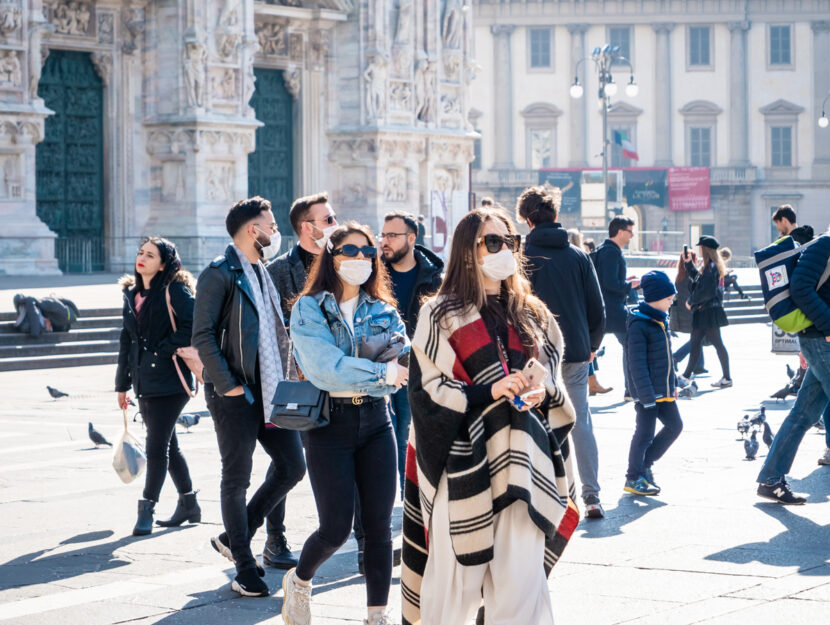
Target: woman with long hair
(680, 317)
(145, 363)
(706, 304)
(487, 454)
(348, 300)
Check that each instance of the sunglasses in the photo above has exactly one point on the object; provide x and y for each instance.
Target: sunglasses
(350, 251)
(494, 242)
(329, 219)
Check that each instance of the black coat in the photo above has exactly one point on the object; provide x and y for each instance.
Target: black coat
(427, 282)
(611, 271)
(563, 277)
(145, 359)
(289, 275)
(706, 287)
(680, 316)
(649, 355)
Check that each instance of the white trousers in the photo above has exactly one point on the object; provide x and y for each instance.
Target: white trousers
(513, 584)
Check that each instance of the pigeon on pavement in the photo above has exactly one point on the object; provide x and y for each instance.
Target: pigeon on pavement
(790, 372)
(767, 436)
(96, 437)
(55, 393)
(781, 393)
(188, 420)
(751, 446)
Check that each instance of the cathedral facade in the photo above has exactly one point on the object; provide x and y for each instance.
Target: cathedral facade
(122, 119)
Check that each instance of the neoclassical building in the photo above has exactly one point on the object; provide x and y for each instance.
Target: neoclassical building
(733, 85)
(120, 119)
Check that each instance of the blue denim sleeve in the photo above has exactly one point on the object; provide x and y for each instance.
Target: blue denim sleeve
(323, 363)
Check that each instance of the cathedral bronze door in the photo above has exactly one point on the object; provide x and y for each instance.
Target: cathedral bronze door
(70, 195)
(270, 167)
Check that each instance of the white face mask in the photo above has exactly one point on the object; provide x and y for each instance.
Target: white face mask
(355, 272)
(269, 251)
(499, 266)
(321, 242)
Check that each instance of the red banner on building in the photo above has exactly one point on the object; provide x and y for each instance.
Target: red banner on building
(689, 189)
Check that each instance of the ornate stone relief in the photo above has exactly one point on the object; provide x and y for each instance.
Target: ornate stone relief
(10, 16)
(106, 27)
(452, 28)
(103, 65)
(400, 95)
(402, 61)
(448, 151)
(172, 181)
(452, 66)
(11, 72)
(195, 72)
(395, 185)
(134, 20)
(425, 91)
(273, 38)
(224, 83)
(220, 176)
(444, 180)
(403, 23)
(227, 33)
(318, 48)
(353, 148)
(14, 131)
(402, 149)
(292, 81)
(353, 185)
(166, 142)
(11, 186)
(296, 46)
(375, 82)
(70, 18)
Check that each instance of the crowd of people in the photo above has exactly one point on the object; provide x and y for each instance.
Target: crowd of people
(455, 388)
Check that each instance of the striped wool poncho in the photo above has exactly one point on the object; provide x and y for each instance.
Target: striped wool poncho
(493, 455)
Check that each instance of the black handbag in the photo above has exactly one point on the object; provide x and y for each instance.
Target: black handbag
(299, 406)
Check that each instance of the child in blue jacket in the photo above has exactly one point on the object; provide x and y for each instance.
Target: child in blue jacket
(651, 382)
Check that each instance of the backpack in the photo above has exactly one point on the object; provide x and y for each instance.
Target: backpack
(777, 262)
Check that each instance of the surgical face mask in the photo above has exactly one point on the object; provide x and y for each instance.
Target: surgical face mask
(355, 272)
(499, 266)
(273, 248)
(321, 242)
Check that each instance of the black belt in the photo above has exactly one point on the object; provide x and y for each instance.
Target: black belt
(357, 400)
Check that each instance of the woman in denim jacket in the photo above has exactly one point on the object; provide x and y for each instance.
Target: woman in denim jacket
(346, 300)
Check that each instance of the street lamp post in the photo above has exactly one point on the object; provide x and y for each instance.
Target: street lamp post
(823, 122)
(604, 59)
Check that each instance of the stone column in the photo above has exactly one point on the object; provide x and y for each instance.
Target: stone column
(503, 88)
(662, 96)
(821, 89)
(579, 116)
(738, 97)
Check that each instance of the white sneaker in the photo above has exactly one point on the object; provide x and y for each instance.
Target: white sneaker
(825, 459)
(296, 601)
(722, 383)
(380, 619)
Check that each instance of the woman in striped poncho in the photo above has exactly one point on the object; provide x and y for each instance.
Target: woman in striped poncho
(489, 498)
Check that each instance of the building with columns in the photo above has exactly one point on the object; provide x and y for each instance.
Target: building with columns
(733, 85)
(124, 118)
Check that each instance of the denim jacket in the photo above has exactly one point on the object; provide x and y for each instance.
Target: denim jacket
(326, 348)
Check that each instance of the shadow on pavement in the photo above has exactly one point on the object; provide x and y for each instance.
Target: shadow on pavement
(629, 508)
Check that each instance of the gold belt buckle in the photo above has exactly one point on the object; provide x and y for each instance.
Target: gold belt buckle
(357, 400)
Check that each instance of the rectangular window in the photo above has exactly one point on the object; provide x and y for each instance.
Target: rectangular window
(699, 46)
(540, 47)
(779, 45)
(700, 148)
(621, 36)
(781, 146)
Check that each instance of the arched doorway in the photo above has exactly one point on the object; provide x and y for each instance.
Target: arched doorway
(69, 160)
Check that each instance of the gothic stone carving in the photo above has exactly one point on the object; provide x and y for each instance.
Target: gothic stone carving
(353, 148)
(224, 84)
(452, 66)
(227, 36)
(9, 19)
(103, 65)
(402, 61)
(69, 18)
(220, 176)
(395, 185)
(195, 70)
(375, 77)
(296, 47)
(318, 49)
(400, 95)
(106, 27)
(134, 20)
(292, 81)
(453, 25)
(167, 142)
(273, 38)
(444, 180)
(172, 181)
(402, 149)
(11, 74)
(425, 91)
(402, 24)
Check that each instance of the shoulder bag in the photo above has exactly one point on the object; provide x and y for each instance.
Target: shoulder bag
(189, 354)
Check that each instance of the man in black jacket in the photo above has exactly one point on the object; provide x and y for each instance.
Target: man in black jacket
(614, 283)
(563, 277)
(239, 333)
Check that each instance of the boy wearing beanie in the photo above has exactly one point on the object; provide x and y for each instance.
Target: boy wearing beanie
(651, 382)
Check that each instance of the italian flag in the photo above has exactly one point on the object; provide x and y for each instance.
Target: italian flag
(628, 150)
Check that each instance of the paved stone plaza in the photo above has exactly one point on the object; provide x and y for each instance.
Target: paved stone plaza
(707, 550)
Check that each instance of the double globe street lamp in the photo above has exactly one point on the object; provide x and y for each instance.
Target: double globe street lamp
(605, 59)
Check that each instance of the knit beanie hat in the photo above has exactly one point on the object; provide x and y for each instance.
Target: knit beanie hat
(656, 285)
(710, 242)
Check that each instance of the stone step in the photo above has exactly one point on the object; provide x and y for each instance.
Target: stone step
(86, 313)
(739, 320)
(60, 349)
(53, 362)
(54, 338)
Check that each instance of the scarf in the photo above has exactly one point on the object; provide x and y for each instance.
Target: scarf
(267, 302)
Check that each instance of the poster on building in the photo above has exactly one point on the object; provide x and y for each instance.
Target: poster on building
(646, 186)
(784, 342)
(568, 182)
(689, 189)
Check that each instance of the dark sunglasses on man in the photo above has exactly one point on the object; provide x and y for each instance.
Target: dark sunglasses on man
(494, 242)
(329, 219)
(350, 251)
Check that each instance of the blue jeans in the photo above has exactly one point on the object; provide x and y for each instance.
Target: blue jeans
(811, 401)
(401, 418)
(685, 350)
(646, 448)
(575, 377)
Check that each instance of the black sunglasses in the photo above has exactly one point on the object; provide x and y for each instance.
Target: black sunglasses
(351, 251)
(329, 219)
(494, 242)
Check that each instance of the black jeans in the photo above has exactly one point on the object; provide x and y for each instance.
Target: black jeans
(714, 337)
(646, 448)
(239, 425)
(162, 446)
(356, 450)
(275, 521)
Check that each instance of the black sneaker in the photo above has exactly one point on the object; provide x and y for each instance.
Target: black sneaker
(248, 584)
(593, 508)
(277, 553)
(222, 544)
(780, 491)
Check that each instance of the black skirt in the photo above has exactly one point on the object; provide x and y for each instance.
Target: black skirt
(713, 317)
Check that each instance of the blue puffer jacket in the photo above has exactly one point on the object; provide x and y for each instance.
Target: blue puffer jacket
(815, 304)
(649, 354)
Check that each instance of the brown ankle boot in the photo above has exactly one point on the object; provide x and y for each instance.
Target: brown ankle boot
(595, 387)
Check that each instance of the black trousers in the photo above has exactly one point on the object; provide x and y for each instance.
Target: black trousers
(162, 445)
(714, 337)
(646, 448)
(356, 451)
(239, 425)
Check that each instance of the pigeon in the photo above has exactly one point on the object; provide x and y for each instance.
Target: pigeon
(759, 417)
(790, 372)
(767, 436)
(188, 420)
(743, 426)
(55, 393)
(782, 393)
(689, 391)
(797, 379)
(96, 437)
(751, 447)
(600, 352)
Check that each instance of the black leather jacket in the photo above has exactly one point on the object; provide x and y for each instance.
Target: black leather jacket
(226, 325)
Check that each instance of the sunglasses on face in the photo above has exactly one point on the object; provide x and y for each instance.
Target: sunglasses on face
(329, 219)
(494, 242)
(350, 251)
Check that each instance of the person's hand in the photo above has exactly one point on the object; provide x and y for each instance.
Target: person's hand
(687, 256)
(123, 400)
(687, 306)
(236, 391)
(827, 338)
(593, 355)
(635, 283)
(509, 386)
(403, 376)
(533, 401)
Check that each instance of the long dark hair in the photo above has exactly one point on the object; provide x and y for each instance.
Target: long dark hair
(681, 268)
(169, 256)
(463, 286)
(323, 276)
